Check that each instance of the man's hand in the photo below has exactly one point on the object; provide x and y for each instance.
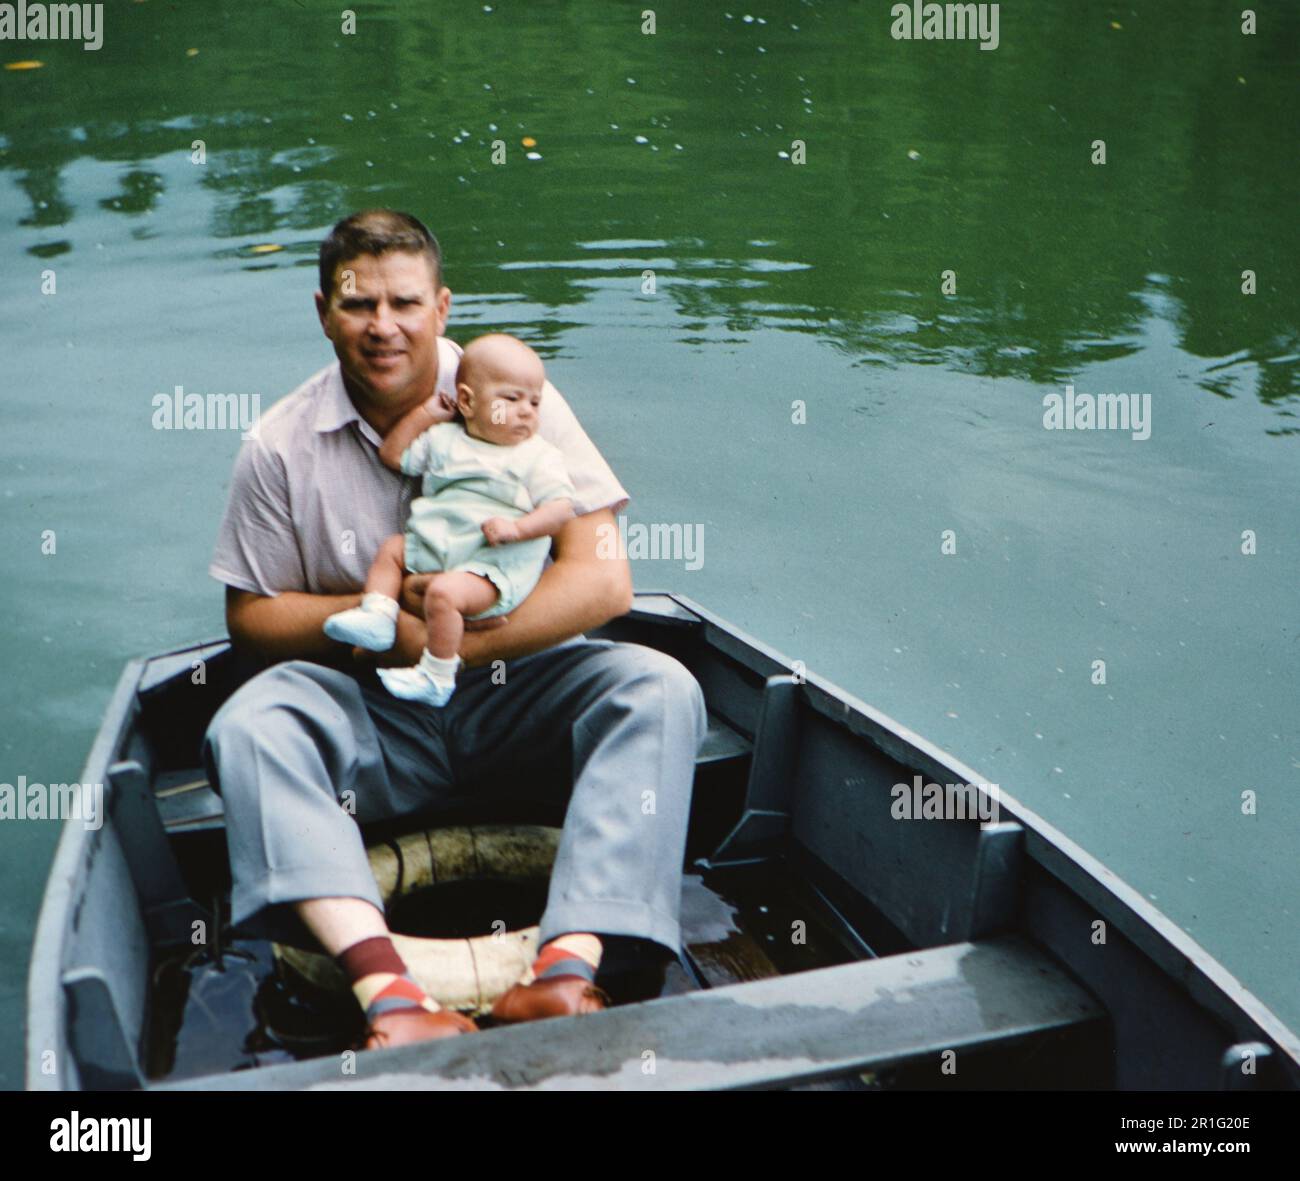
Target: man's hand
(412, 601)
(500, 531)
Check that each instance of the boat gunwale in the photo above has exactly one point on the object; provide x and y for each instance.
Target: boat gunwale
(45, 1018)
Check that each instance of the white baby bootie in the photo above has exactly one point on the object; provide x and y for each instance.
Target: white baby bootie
(432, 681)
(372, 626)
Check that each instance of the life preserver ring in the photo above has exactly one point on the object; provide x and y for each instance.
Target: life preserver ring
(463, 974)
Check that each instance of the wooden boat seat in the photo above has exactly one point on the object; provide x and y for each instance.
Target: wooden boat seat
(187, 803)
(784, 1031)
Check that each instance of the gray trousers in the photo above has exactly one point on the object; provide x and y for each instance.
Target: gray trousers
(611, 728)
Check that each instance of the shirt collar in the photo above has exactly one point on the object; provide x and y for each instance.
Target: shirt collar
(335, 410)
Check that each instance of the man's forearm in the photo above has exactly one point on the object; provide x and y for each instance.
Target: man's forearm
(579, 591)
(287, 626)
(563, 604)
(545, 521)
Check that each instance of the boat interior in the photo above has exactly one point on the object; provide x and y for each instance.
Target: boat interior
(827, 944)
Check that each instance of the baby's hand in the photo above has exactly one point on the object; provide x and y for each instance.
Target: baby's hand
(500, 531)
(440, 409)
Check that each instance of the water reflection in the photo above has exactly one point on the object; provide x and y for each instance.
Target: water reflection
(665, 154)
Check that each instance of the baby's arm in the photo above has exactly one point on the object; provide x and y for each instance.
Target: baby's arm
(409, 428)
(545, 521)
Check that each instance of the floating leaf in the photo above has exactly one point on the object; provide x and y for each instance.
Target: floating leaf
(265, 248)
(1116, 25)
(191, 53)
(528, 141)
(25, 65)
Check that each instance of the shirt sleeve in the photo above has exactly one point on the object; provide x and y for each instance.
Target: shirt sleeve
(595, 485)
(257, 547)
(548, 478)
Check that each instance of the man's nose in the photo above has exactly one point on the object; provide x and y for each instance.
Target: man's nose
(383, 322)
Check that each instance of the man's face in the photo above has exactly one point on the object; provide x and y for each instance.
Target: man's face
(384, 318)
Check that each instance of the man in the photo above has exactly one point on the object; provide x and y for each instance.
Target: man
(310, 502)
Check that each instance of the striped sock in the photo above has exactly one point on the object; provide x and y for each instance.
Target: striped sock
(379, 978)
(568, 955)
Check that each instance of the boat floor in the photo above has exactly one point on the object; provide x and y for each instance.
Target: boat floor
(237, 1009)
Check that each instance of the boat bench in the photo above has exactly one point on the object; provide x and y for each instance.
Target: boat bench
(187, 803)
(786, 1031)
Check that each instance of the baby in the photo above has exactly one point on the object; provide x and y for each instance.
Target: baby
(492, 495)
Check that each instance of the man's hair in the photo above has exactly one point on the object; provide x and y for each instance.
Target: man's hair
(376, 232)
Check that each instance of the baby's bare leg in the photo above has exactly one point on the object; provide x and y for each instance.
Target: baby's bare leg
(450, 597)
(386, 571)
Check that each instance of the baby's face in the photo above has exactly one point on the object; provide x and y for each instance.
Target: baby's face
(505, 406)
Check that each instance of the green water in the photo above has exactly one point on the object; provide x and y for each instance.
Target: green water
(774, 282)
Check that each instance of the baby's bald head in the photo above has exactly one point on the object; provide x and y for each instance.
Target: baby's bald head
(500, 357)
(499, 389)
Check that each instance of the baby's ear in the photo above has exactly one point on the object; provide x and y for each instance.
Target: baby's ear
(464, 398)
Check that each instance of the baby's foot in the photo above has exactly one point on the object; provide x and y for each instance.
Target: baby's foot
(432, 681)
(373, 625)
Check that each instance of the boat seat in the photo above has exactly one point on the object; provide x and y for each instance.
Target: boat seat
(831, 1022)
(187, 803)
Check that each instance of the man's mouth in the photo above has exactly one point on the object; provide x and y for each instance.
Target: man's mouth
(382, 356)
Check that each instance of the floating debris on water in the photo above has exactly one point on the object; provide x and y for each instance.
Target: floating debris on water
(24, 65)
(265, 248)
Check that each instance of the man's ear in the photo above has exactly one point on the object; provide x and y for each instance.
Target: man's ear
(322, 307)
(442, 302)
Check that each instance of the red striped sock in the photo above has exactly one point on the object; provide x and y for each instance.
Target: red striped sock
(559, 961)
(380, 979)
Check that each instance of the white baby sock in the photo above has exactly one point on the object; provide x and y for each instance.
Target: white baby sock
(373, 625)
(432, 681)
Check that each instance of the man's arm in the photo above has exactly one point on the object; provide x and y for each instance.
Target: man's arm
(286, 626)
(580, 590)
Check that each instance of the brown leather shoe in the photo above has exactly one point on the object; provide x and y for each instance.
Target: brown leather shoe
(556, 996)
(403, 1026)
